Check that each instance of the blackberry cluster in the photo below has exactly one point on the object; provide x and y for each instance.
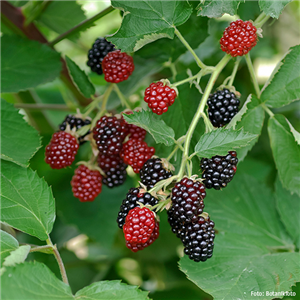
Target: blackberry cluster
(223, 105)
(218, 171)
(133, 196)
(153, 172)
(99, 50)
(75, 123)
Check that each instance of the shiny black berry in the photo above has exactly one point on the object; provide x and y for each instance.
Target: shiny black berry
(223, 105)
(115, 176)
(133, 196)
(99, 50)
(218, 171)
(153, 171)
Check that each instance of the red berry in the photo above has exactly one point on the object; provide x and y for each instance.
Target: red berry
(139, 225)
(136, 247)
(117, 66)
(159, 97)
(239, 38)
(135, 153)
(135, 132)
(109, 134)
(86, 184)
(61, 150)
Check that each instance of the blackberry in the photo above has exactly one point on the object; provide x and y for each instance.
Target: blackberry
(187, 200)
(153, 171)
(223, 105)
(218, 171)
(75, 123)
(99, 50)
(199, 240)
(133, 196)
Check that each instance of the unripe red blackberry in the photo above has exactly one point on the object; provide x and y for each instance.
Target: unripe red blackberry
(223, 105)
(133, 196)
(117, 66)
(61, 151)
(99, 50)
(135, 153)
(153, 171)
(159, 97)
(109, 134)
(218, 171)
(86, 184)
(77, 123)
(239, 38)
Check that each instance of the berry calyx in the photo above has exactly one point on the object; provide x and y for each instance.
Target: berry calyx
(117, 66)
(109, 134)
(61, 151)
(218, 171)
(159, 97)
(86, 184)
(153, 171)
(99, 50)
(135, 153)
(223, 105)
(239, 38)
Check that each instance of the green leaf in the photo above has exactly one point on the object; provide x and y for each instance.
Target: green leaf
(222, 140)
(27, 201)
(146, 21)
(80, 79)
(286, 153)
(17, 256)
(154, 125)
(217, 8)
(295, 133)
(111, 290)
(284, 87)
(13, 125)
(57, 14)
(288, 206)
(7, 244)
(248, 247)
(273, 8)
(252, 122)
(26, 64)
(33, 281)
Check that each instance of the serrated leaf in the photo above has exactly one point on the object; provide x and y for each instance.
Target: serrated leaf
(7, 244)
(273, 8)
(27, 201)
(217, 8)
(17, 256)
(34, 282)
(111, 290)
(248, 245)
(146, 21)
(26, 64)
(286, 153)
(284, 87)
(13, 125)
(222, 140)
(295, 133)
(288, 206)
(154, 125)
(80, 79)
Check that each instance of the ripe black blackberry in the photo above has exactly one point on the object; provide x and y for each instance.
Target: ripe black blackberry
(115, 176)
(99, 50)
(199, 240)
(218, 171)
(75, 122)
(133, 196)
(187, 200)
(223, 105)
(153, 171)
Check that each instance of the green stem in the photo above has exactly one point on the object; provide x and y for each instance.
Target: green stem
(41, 248)
(184, 80)
(92, 106)
(80, 26)
(121, 97)
(235, 68)
(172, 153)
(252, 74)
(260, 17)
(260, 23)
(269, 112)
(41, 106)
(200, 110)
(186, 44)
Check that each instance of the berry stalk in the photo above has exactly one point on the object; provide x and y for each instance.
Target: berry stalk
(252, 74)
(235, 68)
